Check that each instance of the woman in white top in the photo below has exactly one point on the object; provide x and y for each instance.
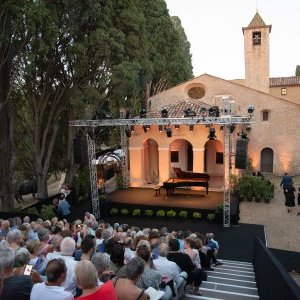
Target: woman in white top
(193, 253)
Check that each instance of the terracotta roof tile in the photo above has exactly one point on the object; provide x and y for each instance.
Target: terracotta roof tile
(285, 81)
(176, 110)
(257, 21)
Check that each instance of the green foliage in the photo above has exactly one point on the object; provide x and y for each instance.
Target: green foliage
(31, 210)
(171, 213)
(119, 180)
(136, 212)
(233, 182)
(114, 211)
(197, 215)
(249, 166)
(82, 183)
(103, 197)
(47, 212)
(160, 213)
(148, 212)
(124, 211)
(297, 72)
(211, 217)
(183, 214)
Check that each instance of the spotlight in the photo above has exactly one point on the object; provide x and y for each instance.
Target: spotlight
(212, 133)
(189, 113)
(248, 128)
(250, 110)
(143, 113)
(191, 128)
(242, 135)
(213, 111)
(146, 128)
(176, 126)
(232, 127)
(128, 132)
(169, 132)
(203, 112)
(160, 128)
(164, 113)
(132, 128)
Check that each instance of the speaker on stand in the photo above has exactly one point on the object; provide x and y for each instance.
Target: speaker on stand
(241, 152)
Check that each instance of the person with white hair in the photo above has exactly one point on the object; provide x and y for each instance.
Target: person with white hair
(101, 263)
(89, 218)
(14, 239)
(67, 249)
(14, 286)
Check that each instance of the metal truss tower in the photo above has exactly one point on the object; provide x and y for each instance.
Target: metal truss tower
(93, 175)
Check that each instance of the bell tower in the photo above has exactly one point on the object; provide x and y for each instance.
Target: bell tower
(257, 57)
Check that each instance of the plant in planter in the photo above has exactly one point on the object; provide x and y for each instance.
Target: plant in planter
(160, 213)
(183, 214)
(148, 213)
(114, 211)
(124, 212)
(197, 215)
(171, 213)
(211, 217)
(31, 210)
(245, 187)
(136, 212)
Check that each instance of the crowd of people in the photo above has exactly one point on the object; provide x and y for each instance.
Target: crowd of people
(55, 259)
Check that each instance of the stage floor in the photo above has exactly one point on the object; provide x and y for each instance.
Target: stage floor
(181, 198)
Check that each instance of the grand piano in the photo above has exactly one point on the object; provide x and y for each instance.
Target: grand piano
(184, 178)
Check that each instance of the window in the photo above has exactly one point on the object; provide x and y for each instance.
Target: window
(174, 156)
(265, 115)
(283, 91)
(219, 158)
(256, 37)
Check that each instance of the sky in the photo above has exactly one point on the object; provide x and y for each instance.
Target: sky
(214, 29)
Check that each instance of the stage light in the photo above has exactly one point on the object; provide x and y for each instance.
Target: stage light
(176, 126)
(250, 110)
(132, 128)
(164, 113)
(191, 128)
(213, 111)
(128, 132)
(242, 135)
(169, 132)
(146, 128)
(248, 128)
(143, 113)
(212, 133)
(160, 128)
(203, 112)
(189, 113)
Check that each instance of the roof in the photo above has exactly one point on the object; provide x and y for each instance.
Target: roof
(257, 21)
(176, 110)
(285, 81)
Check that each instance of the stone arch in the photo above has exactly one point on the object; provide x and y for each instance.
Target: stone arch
(213, 157)
(150, 160)
(181, 154)
(266, 160)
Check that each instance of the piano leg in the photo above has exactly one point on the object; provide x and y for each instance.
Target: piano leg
(206, 191)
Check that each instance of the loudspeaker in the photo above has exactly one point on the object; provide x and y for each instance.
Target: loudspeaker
(77, 150)
(241, 151)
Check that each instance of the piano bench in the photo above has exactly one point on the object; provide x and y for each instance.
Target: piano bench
(157, 189)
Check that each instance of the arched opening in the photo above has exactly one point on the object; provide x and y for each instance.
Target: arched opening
(266, 160)
(213, 158)
(150, 161)
(181, 155)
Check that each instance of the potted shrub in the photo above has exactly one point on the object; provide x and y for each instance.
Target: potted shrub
(197, 215)
(136, 212)
(124, 212)
(160, 213)
(148, 212)
(245, 187)
(171, 213)
(114, 211)
(183, 214)
(211, 217)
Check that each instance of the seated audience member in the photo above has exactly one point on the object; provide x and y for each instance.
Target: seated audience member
(169, 270)
(116, 263)
(4, 229)
(128, 244)
(56, 273)
(87, 279)
(106, 235)
(14, 286)
(44, 238)
(89, 218)
(180, 238)
(22, 259)
(153, 239)
(205, 254)
(36, 260)
(184, 262)
(88, 247)
(193, 253)
(98, 234)
(214, 246)
(67, 249)
(33, 235)
(14, 239)
(101, 263)
(126, 288)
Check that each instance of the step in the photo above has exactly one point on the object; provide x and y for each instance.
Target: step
(234, 267)
(229, 270)
(216, 273)
(225, 295)
(236, 263)
(229, 288)
(193, 297)
(245, 283)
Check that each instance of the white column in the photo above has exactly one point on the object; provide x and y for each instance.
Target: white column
(198, 160)
(136, 168)
(164, 164)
